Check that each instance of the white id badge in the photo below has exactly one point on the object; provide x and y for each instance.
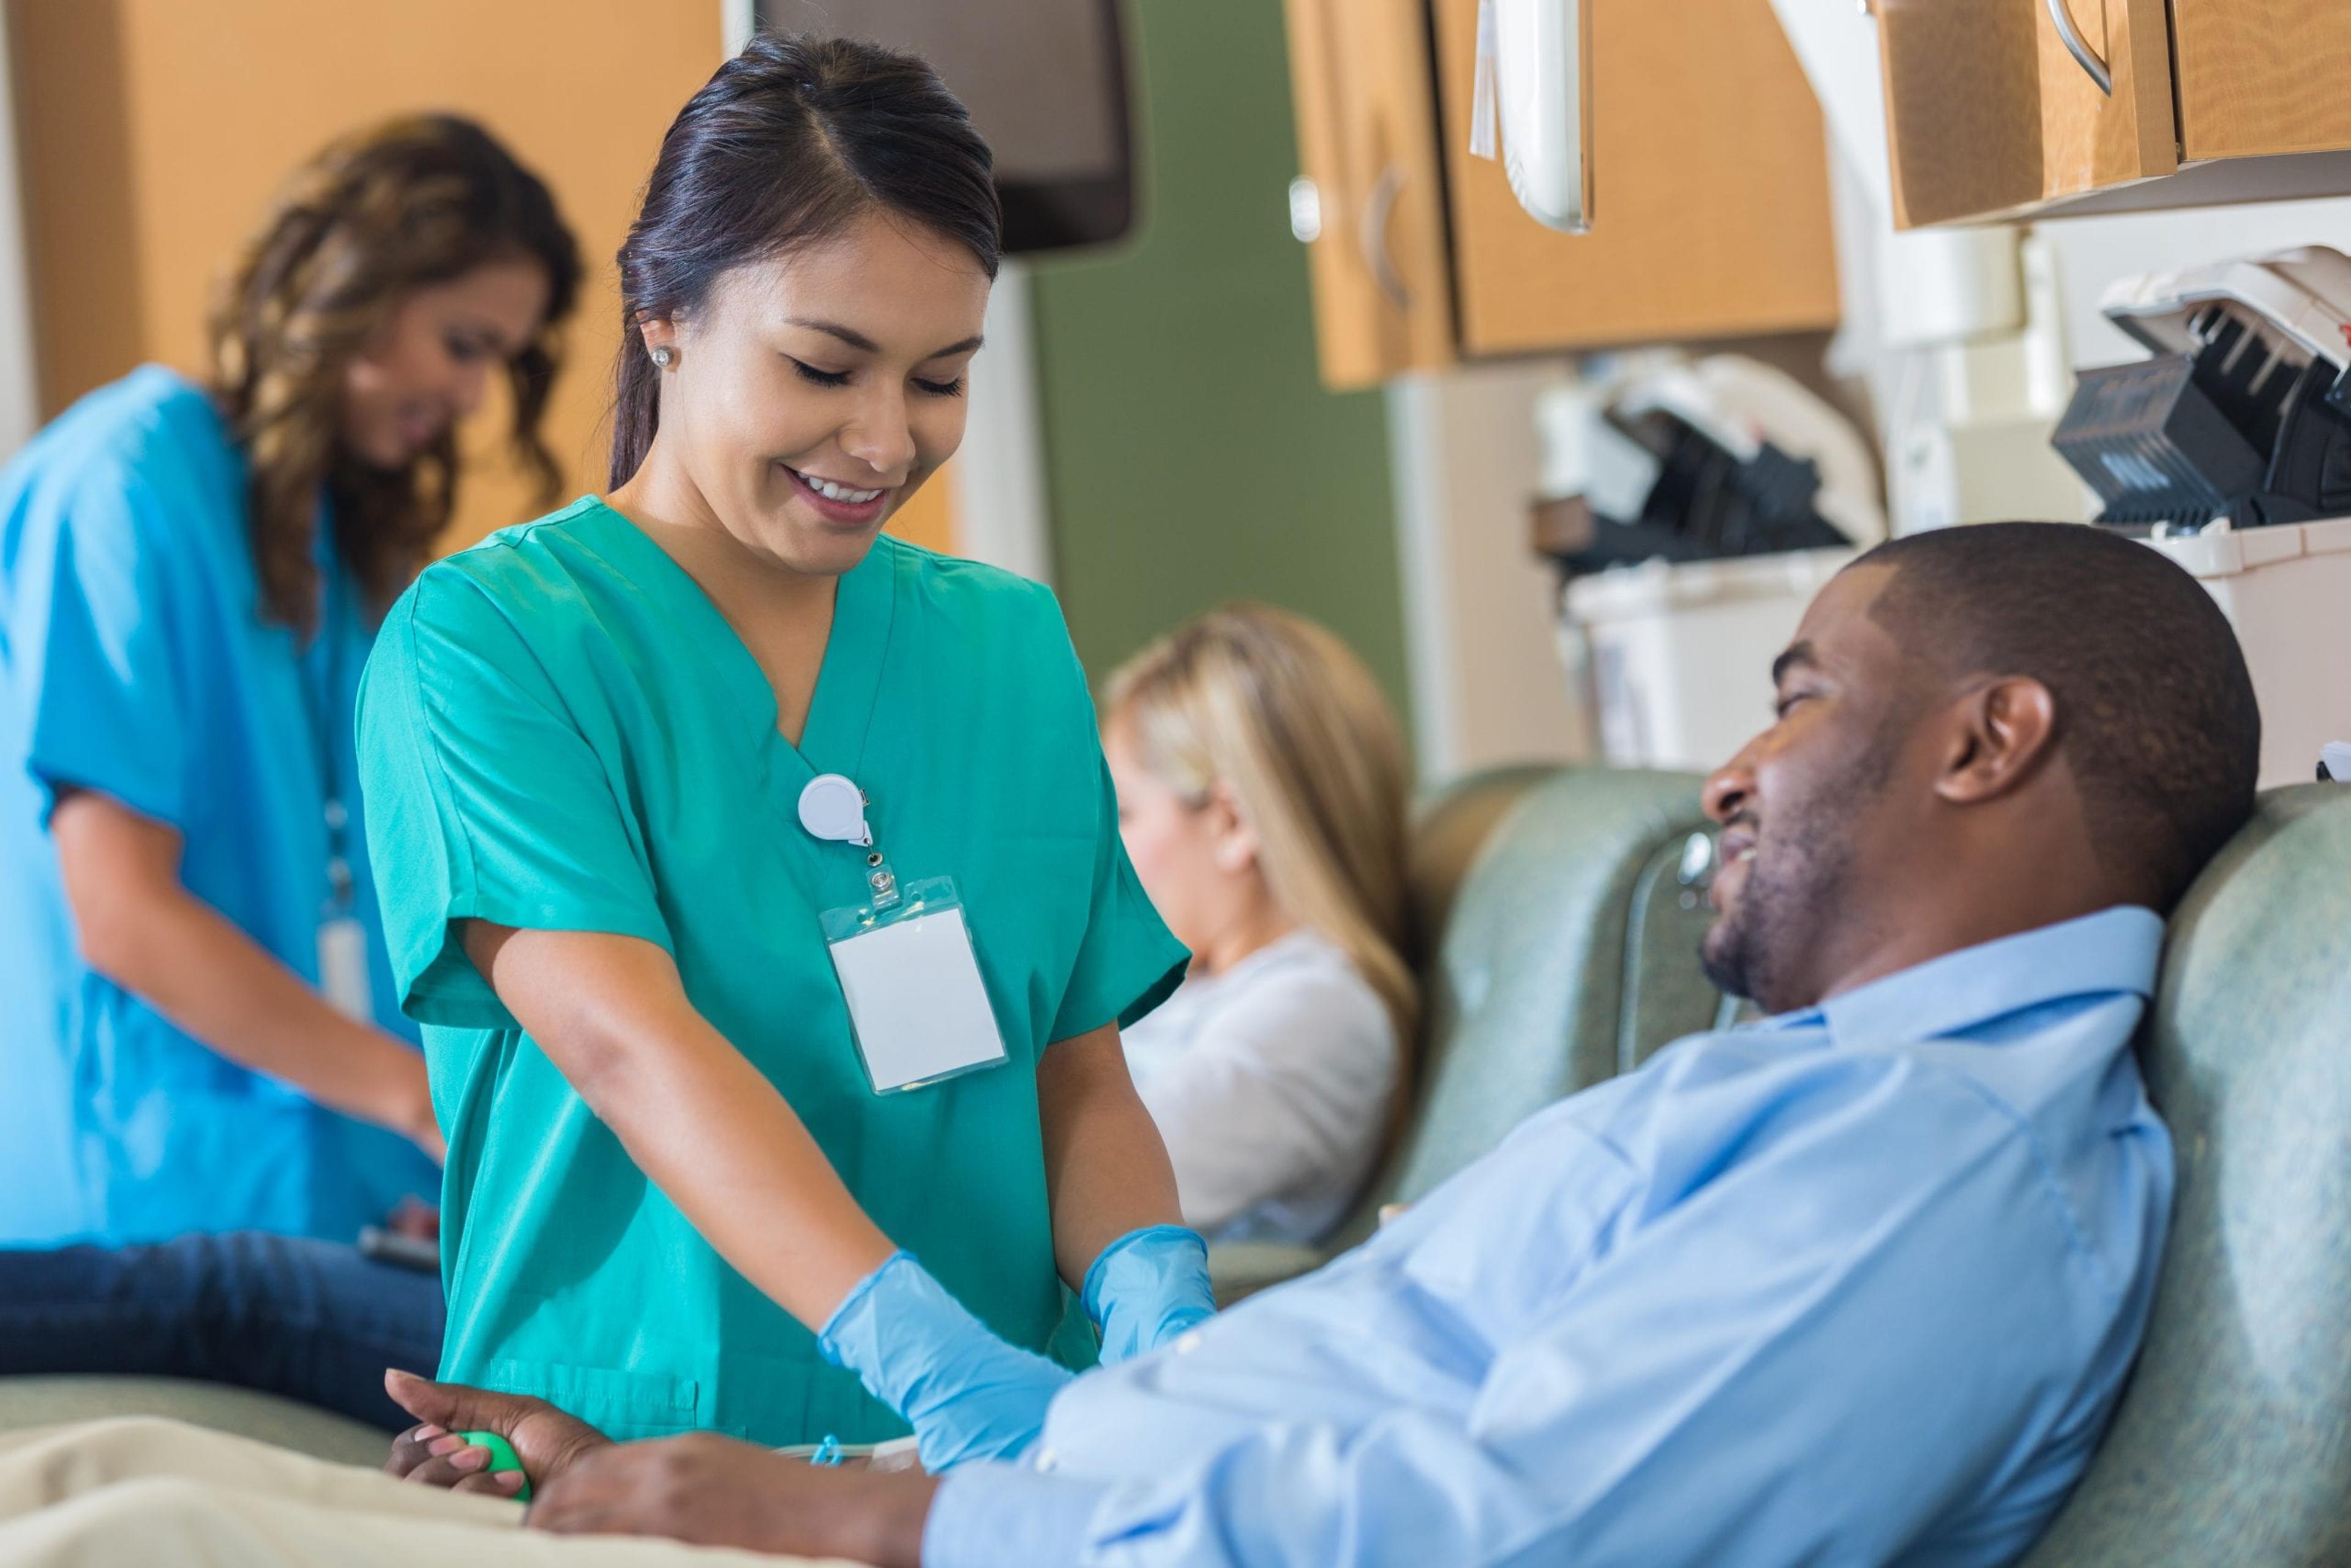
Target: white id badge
(917, 1005)
(343, 967)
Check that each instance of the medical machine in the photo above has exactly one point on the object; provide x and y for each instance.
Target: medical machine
(1693, 508)
(1661, 457)
(2243, 412)
(2230, 450)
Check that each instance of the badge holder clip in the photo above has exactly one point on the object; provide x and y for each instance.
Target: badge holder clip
(918, 1008)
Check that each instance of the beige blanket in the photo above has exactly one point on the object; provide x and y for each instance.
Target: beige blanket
(161, 1494)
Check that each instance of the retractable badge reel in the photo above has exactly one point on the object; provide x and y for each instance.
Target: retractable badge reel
(342, 940)
(917, 1006)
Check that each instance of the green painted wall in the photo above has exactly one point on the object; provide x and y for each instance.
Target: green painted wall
(1192, 455)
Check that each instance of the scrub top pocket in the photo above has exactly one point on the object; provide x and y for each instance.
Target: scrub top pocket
(624, 1406)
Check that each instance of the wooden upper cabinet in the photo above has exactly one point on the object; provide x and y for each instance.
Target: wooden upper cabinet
(2263, 77)
(1373, 193)
(1989, 115)
(1710, 201)
(1710, 214)
(1988, 112)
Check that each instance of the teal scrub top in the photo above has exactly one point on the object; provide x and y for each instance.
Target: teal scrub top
(134, 661)
(559, 731)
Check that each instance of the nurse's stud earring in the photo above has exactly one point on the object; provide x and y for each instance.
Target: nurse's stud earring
(662, 357)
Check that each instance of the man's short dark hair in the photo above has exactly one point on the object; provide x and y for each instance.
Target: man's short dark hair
(2156, 711)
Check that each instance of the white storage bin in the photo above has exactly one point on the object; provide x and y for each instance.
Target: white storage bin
(2287, 590)
(1680, 655)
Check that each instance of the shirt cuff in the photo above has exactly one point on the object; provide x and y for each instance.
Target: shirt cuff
(989, 1514)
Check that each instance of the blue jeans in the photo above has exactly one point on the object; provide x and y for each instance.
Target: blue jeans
(312, 1321)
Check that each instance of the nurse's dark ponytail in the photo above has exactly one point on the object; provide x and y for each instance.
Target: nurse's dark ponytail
(788, 144)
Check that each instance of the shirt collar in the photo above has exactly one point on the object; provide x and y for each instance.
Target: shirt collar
(2115, 950)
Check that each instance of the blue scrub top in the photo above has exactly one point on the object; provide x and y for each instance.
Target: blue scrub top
(134, 661)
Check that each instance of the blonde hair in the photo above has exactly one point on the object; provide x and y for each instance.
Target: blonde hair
(1285, 716)
(404, 204)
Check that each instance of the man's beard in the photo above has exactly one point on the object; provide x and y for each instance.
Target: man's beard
(1794, 886)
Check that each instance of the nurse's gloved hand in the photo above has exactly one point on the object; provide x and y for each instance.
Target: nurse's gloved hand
(968, 1394)
(1146, 1288)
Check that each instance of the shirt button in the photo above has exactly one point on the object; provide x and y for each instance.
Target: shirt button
(1187, 1342)
(1046, 1462)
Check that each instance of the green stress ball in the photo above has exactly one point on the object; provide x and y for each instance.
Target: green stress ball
(502, 1458)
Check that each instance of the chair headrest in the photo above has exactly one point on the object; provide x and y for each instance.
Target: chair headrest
(1525, 990)
(2233, 1441)
(1451, 828)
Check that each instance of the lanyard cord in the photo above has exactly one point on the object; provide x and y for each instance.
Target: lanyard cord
(319, 700)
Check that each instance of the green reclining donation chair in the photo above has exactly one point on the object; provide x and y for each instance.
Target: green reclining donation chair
(2233, 1440)
(2232, 1443)
(1557, 916)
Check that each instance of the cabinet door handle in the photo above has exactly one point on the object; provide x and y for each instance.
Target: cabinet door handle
(1305, 209)
(1378, 206)
(2062, 13)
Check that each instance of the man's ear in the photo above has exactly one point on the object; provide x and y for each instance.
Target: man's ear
(2004, 733)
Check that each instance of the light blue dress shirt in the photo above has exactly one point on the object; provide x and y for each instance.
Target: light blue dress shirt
(1855, 1285)
(134, 661)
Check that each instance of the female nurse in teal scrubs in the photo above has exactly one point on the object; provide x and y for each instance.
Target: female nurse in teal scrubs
(586, 744)
(198, 1030)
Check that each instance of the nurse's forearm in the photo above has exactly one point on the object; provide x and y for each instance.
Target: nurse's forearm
(702, 1122)
(214, 982)
(142, 929)
(1106, 1170)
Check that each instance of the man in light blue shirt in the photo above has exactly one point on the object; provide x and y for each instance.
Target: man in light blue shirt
(1858, 1284)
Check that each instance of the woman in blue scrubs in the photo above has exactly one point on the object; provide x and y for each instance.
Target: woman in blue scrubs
(200, 1031)
(653, 768)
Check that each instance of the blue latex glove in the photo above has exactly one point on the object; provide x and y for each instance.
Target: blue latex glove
(1146, 1288)
(968, 1394)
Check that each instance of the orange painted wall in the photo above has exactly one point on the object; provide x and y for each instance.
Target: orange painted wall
(928, 517)
(154, 132)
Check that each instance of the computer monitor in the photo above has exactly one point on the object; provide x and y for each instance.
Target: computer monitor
(1046, 82)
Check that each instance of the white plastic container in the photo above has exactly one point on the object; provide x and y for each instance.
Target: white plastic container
(1680, 655)
(2287, 591)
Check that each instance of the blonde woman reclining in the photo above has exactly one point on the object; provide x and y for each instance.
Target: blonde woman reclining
(1261, 794)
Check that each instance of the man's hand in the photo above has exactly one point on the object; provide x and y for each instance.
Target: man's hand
(548, 1441)
(715, 1492)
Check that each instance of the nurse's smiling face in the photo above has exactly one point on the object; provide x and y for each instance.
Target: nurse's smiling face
(810, 394)
(429, 364)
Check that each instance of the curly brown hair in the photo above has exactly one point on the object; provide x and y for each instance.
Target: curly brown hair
(414, 201)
